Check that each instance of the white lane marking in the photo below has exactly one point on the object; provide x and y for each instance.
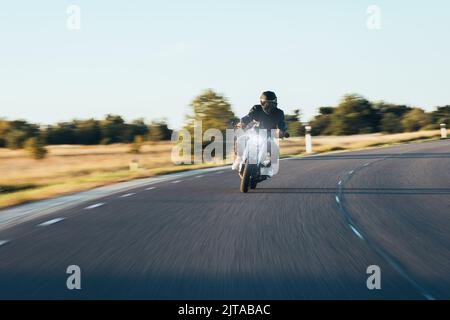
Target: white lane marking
(366, 164)
(177, 181)
(2, 242)
(351, 172)
(49, 222)
(151, 188)
(338, 200)
(127, 195)
(356, 232)
(200, 176)
(95, 205)
(428, 297)
(340, 182)
(219, 172)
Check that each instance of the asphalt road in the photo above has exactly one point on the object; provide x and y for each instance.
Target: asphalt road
(310, 232)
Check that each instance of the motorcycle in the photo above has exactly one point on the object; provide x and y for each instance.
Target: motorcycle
(260, 159)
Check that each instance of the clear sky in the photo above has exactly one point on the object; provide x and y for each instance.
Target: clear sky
(151, 58)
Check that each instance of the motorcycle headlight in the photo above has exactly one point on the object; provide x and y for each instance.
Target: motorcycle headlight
(257, 139)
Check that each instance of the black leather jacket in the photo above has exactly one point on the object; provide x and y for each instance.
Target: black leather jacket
(275, 120)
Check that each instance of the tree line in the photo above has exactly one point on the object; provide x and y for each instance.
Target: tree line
(357, 115)
(353, 115)
(111, 129)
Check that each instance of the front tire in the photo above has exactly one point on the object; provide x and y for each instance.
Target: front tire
(246, 177)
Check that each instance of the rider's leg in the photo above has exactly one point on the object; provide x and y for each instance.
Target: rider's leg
(239, 151)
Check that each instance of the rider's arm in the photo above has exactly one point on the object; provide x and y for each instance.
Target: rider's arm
(281, 122)
(250, 117)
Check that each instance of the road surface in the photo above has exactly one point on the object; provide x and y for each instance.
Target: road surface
(311, 232)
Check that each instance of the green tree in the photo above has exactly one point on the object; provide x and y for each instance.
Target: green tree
(397, 109)
(320, 125)
(354, 115)
(112, 128)
(15, 139)
(61, 133)
(86, 132)
(159, 131)
(138, 128)
(213, 110)
(415, 120)
(293, 121)
(326, 110)
(17, 132)
(35, 148)
(4, 128)
(441, 115)
(391, 123)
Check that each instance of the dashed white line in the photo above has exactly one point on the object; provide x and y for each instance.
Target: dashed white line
(340, 182)
(2, 242)
(49, 222)
(356, 232)
(177, 181)
(366, 164)
(127, 195)
(351, 172)
(200, 176)
(428, 297)
(151, 188)
(95, 205)
(219, 172)
(338, 200)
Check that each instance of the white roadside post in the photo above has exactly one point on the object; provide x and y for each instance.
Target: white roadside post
(308, 140)
(443, 131)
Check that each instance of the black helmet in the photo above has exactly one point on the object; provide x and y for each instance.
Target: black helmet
(268, 101)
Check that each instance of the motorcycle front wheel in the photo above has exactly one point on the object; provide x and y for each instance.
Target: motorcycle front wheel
(247, 176)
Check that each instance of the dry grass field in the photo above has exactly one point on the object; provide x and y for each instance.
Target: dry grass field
(69, 168)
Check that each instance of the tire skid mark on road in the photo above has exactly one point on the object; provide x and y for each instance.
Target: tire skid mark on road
(340, 199)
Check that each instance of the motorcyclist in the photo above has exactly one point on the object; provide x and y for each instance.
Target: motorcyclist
(269, 117)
